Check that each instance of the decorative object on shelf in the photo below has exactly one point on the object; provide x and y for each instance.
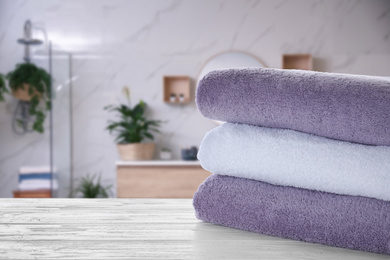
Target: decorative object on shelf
(189, 154)
(165, 154)
(172, 98)
(131, 129)
(3, 87)
(31, 85)
(87, 188)
(177, 86)
(297, 61)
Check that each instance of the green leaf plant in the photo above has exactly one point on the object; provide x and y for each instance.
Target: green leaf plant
(88, 188)
(132, 126)
(39, 91)
(3, 88)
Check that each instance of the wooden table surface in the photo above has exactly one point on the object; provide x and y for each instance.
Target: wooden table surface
(138, 229)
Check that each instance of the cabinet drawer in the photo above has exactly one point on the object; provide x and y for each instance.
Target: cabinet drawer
(159, 181)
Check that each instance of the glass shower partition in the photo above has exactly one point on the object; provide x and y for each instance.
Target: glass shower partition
(61, 122)
(59, 118)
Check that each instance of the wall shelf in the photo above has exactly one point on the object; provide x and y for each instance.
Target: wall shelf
(43, 193)
(179, 86)
(297, 61)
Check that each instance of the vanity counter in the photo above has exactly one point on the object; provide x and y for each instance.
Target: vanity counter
(159, 178)
(158, 163)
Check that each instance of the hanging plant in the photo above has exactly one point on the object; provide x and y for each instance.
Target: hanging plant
(30, 83)
(3, 88)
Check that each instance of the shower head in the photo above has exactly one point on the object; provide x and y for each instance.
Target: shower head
(28, 40)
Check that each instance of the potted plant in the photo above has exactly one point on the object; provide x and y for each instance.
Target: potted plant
(30, 83)
(3, 88)
(131, 129)
(89, 189)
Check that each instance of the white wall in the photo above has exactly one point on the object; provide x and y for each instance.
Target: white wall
(135, 43)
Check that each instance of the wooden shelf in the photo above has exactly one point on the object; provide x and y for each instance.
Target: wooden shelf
(179, 86)
(32, 193)
(297, 61)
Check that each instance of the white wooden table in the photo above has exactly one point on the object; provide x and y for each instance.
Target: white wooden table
(137, 229)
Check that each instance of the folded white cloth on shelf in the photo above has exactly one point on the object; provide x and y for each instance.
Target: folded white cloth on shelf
(38, 184)
(36, 169)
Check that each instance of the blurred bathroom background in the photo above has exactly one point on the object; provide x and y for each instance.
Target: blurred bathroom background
(94, 48)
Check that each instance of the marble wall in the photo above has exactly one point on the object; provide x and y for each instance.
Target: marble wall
(134, 43)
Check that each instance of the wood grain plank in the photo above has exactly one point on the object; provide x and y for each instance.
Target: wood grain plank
(159, 182)
(138, 229)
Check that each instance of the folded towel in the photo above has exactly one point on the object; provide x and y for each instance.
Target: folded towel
(345, 107)
(312, 216)
(38, 184)
(291, 158)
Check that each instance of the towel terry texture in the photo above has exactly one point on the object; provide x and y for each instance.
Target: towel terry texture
(338, 220)
(304, 155)
(345, 107)
(291, 158)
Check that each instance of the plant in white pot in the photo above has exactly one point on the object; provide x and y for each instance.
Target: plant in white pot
(132, 129)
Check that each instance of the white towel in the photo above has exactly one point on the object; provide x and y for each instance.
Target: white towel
(36, 169)
(291, 158)
(38, 184)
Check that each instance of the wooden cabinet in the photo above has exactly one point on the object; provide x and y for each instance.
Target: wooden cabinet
(159, 179)
(32, 193)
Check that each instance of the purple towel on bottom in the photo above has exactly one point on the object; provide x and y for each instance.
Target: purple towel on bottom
(337, 220)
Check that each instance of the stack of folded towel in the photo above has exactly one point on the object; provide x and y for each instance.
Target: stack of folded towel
(304, 155)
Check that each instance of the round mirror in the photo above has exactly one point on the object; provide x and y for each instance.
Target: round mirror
(229, 60)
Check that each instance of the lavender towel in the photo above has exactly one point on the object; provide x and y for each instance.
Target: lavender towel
(352, 108)
(291, 158)
(337, 220)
